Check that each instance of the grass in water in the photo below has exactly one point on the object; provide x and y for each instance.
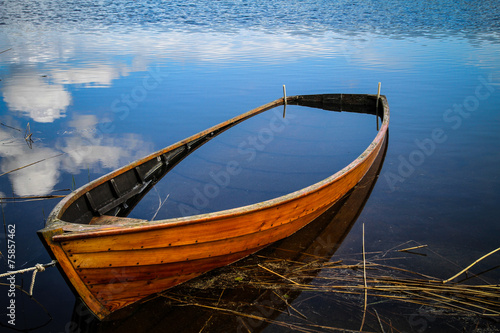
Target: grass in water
(357, 284)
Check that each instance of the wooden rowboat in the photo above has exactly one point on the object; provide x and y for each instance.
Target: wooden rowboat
(112, 261)
(310, 247)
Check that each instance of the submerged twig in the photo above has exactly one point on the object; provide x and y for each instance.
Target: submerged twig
(382, 283)
(412, 248)
(391, 283)
(238, 313)
(379, 321)
(364, 279)
(32, 197)
(281, 276)
(45, 159)
(18, 287)
(160, 205)
(28, 136)
(289, 305)
(288, 325)
(17, 129)
(467, 268)
(206, 324)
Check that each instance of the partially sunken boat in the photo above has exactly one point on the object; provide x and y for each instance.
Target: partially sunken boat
(112, 261)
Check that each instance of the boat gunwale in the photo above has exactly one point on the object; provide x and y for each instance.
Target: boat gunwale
(80, 231)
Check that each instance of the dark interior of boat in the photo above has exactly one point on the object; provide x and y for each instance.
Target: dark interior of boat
(118, 193)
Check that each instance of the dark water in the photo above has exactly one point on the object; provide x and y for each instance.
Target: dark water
(271, 156)
(102, 83)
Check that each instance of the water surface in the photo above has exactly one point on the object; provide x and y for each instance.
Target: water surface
(102, 83)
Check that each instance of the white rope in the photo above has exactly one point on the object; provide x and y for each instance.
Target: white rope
(36, 269)
(18, 272)
(39, 268)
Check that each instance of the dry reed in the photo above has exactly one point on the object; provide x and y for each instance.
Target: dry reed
(367, 282)
(28, 165)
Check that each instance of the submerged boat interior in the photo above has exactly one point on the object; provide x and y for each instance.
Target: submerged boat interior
(120, 191)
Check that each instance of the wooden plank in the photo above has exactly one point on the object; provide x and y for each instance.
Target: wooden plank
(115, 297)
(105, 275)
(296, 207)
(206, 231)
(105, 293)
(187, 252)
(113, 220)
(70, 274)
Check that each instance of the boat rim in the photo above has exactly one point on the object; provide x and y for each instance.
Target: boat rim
(131, 224)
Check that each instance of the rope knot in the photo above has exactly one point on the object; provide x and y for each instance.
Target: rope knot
(36, 269)
(39, 267)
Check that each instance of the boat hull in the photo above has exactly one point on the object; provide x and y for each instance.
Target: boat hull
(114, 261)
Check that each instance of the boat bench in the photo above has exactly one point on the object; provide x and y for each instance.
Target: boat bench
(108, 220)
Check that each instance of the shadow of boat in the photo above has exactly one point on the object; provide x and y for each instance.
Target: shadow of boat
(225, 300)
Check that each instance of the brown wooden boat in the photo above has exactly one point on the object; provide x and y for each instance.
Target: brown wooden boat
(310, 247)
(113, 261)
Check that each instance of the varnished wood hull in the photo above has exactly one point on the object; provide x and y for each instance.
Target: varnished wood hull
(114, 261)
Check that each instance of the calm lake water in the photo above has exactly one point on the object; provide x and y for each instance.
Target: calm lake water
(100, 83)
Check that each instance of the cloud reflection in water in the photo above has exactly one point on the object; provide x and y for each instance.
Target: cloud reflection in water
(41, 83)
(39, 100)
(82, 149)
